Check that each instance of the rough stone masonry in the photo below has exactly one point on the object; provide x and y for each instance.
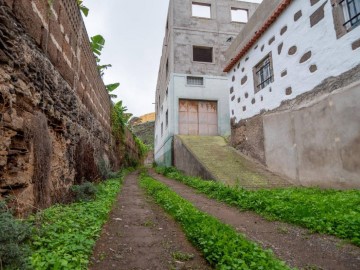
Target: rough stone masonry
(54, 108)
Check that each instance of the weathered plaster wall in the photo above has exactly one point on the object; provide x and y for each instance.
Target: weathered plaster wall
(185, 161)
(303, 56)
(183, 32)
(54, 108)
(317, 142)
(303, 123)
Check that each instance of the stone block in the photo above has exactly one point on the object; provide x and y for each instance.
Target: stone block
(318, 15)
(29, 19)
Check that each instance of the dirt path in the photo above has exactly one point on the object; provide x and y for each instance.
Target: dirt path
(139, 235)
(297, 246)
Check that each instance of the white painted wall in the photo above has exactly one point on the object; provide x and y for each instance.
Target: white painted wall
(214, 89)
(331, 55)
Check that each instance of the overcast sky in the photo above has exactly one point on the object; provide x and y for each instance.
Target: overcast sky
(134, 32)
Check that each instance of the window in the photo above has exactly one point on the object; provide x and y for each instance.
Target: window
(202, 54)
(162, 129)
(351, 9)
(346, 14)
(167, 118)
(167, 92)
(263, 73)
(197, 81)
(201, 10)
(239, 15)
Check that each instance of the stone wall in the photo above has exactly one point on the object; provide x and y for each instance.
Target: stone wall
(55, 126)
(248, 137)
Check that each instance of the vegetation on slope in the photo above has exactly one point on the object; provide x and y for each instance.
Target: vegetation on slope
(221, 245)
(332, 212)
(65, 234)
(145, 132)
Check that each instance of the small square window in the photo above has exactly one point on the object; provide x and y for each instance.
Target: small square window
(239, 15)
(263, 73)
(201, 10)
(202, 54)
(196, 81)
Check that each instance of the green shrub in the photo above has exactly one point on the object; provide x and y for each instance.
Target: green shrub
(333, 212)
(14, 236)
(105, 169)
(84, 192)
(67, 233)
(221, 245)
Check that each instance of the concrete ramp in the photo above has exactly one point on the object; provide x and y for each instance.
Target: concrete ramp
(211, 158)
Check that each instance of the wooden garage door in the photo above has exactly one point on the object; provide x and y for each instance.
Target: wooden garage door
(198, 117)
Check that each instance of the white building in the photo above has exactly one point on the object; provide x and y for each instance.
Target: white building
(294, 82)
(191, 96)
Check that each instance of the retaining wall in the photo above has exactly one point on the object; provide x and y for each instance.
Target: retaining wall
(55, 124)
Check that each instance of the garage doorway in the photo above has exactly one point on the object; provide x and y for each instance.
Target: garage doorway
(198, 117)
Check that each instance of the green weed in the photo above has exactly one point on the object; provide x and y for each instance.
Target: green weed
(221, 245)
(332, 212)
(182, 256)
(67, 233)
(14, 238)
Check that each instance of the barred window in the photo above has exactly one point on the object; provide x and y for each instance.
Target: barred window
(197, 81)
(346, 15)
(351, 10)
(263, 73)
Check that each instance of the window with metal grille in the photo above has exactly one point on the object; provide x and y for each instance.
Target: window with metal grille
(201, 10)
(197, 81)
(263, 73)
(351, 10)
(202, 54)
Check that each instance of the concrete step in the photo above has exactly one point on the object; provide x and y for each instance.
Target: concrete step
(224, 163)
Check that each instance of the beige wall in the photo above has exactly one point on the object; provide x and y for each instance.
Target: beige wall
(317, 143)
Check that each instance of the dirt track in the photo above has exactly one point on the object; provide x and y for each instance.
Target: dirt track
(297, 246)
(139, 235)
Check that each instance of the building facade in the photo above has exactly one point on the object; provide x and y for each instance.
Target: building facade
(294, 84)
(191, 96)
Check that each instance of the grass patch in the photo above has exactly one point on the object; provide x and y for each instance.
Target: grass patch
(221, 245)
(325, 211)
(65, 235)
(182, 256)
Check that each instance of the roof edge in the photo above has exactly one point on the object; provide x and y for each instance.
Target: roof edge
(256, 36)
